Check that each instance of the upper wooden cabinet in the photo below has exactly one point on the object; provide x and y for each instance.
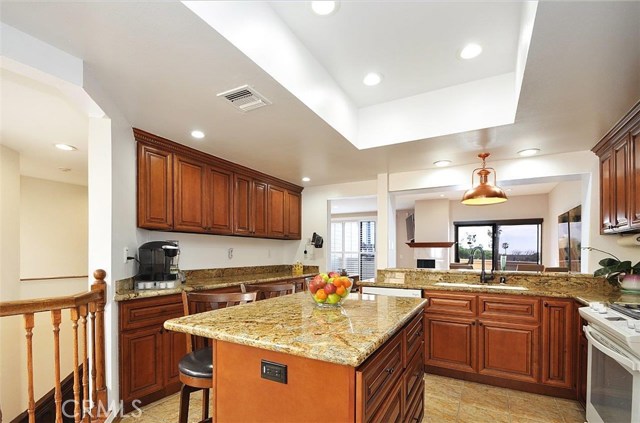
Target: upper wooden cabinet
(185, 190)
(620, 175)
(155, 188)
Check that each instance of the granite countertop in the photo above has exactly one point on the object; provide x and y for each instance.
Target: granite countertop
(580, 287)
(204, 283)
(293, 324)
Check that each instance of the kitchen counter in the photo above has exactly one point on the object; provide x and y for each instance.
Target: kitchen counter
(204, 283)
(294, 325)
(582, 287)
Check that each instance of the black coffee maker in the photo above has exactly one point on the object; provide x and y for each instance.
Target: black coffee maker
(159, 261)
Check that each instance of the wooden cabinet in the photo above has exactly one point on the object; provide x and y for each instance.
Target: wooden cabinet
(390, 383)
(284, 213)
(155, 188)
(620, 175)
(557, 342)
(581, 356)
(250, 207)
(185, 190)
(149, 354)
(525, 340)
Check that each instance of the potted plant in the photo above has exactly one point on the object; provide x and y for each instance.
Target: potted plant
(618, 272)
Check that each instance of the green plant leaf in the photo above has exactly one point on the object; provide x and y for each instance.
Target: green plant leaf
(607, 262)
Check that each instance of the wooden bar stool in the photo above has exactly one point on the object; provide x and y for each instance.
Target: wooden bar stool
(271, 290)
(196, 367)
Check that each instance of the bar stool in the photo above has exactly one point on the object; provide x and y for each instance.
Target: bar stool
(196, 367)
(529, 267)
(271, 290)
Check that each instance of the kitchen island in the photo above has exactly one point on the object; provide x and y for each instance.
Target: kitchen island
(362, 362)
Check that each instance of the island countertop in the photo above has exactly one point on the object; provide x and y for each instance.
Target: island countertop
(292, 324)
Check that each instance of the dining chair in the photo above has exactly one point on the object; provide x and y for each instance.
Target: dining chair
(556, 269)
(267, 291)
(529, 267)
(196, 367)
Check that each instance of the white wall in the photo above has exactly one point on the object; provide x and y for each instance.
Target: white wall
(53, 229)
(433, 225)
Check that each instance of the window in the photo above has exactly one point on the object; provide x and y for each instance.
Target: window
(505, 242)
(353, 247)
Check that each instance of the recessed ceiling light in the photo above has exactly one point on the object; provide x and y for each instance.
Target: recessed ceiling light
(65, 147)
(197, 134)
(470, 51)
(442, 163)
(324, 8)
(306, 179)
(372, 79)
(529, 152)
(441, 195)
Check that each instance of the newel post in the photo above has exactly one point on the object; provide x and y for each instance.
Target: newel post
(100, 388)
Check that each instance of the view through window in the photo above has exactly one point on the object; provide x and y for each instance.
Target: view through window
(353, 247)
(505, 243)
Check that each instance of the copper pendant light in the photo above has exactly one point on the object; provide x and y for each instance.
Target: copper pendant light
(485, 193)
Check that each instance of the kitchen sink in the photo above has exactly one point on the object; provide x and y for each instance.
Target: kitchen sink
(477, 285)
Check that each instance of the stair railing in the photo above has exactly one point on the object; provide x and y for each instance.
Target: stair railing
(87, 321)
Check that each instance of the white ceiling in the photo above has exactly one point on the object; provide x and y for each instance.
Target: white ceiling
(162, 66)
(414, 45)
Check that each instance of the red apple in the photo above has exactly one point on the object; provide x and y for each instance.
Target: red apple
(329, 289)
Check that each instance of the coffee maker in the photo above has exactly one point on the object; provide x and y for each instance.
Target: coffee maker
(159, 261)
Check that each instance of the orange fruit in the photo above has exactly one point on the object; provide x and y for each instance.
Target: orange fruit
(337, 282)
(341, 291)
(346, 282)
(321, 295)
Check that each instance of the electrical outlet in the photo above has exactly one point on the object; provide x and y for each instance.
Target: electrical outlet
(126, 254)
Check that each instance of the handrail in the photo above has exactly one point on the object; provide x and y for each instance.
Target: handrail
(87, 318)
(12, 308)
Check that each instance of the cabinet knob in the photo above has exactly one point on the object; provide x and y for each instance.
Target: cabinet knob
(390, 370)
(473, 323)
(546, 304)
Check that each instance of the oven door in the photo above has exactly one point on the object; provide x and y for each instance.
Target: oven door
(613, 381)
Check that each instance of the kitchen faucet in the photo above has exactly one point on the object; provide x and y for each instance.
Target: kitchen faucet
(484, 278)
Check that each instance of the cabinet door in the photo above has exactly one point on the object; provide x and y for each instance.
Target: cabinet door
(621, 184)
(583, 355)
(175, 347)
(190, 205)
(155, 188)
(242, 205)
(259, 208)
(141, 363)
(606, 193)
(634, 179)
(450, 342)
(508, 350)
(557, 341)
(293, 209)
(391, 411)
(276, 212)
(220, 201)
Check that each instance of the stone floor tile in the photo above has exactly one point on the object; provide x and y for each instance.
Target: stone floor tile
(484, 399)
(437, 407)
(562, 403)
(571, 415)
(471, 414)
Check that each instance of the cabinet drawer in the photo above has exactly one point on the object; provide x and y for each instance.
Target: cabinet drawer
(458, 304)
(414, 337)
(509, 308)
(414, 380)
(145, 312)
(379, 374)
(391, 409)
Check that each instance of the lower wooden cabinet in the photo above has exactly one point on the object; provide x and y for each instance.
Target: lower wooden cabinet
(582, 356)
(149, 354)
(527, 340)
(450, 342)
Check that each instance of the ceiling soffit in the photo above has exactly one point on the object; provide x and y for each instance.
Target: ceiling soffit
(451, 95)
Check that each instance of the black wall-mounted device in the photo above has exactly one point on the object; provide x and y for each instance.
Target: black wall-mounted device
(273, 371)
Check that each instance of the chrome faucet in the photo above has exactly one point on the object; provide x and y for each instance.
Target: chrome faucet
(484, 278)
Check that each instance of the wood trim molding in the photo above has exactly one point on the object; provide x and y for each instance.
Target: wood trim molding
(173, 147)
(53, 277)
(623, 125)
(430, 244)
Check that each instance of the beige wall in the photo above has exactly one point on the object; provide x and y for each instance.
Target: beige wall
(53, 229)
(13, 214)
(564, 197)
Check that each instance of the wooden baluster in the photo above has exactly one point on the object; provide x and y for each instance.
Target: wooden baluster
(56, 318)
(28, 325)
(92, 324)
(85, 363)
(75, 315)
(101, 390)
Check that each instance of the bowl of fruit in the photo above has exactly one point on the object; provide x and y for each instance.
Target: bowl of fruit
(329, 290)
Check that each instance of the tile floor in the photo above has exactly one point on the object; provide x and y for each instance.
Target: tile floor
(446, 400)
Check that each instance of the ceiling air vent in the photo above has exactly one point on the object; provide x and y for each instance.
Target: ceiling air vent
(245, 98)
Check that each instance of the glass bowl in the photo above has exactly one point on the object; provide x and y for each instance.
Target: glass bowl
(328, 291)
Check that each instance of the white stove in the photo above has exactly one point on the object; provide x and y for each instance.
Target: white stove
(613, 374)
